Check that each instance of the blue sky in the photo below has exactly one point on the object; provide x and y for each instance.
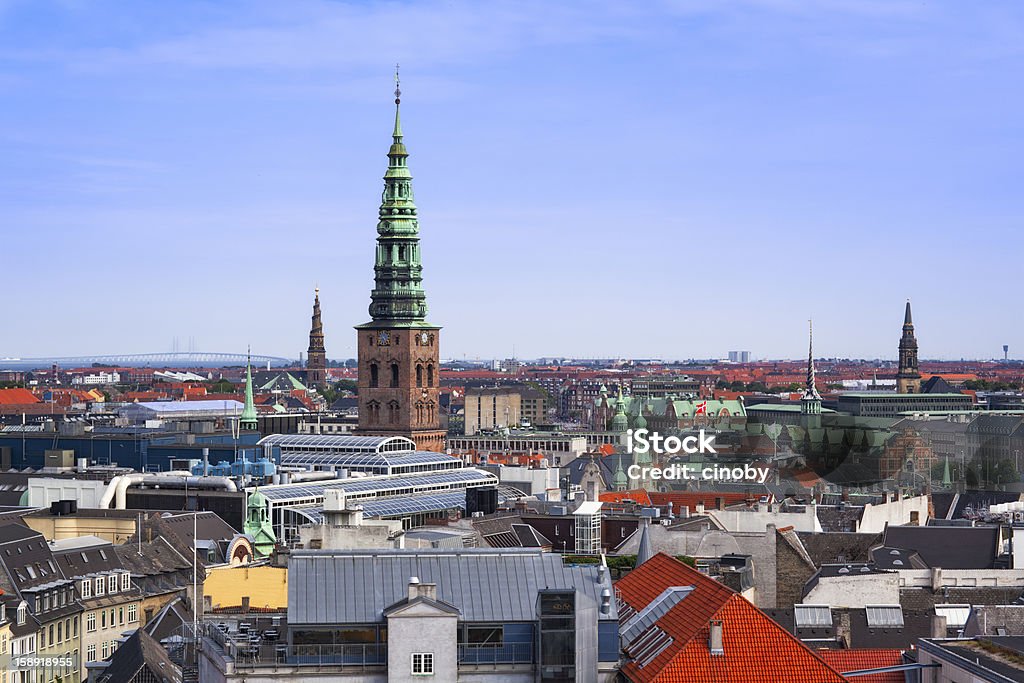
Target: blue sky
(647, 179)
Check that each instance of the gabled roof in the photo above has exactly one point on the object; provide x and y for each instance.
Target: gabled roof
(140, 653)
(17, 396)
(675, 648)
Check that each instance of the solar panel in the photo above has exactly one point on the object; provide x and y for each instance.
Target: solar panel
(809, 616)
(886, 616)
(380, 485)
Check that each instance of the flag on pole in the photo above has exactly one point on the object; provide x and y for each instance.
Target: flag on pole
(702, 408)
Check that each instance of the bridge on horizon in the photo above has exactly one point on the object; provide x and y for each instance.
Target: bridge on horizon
(169, 359)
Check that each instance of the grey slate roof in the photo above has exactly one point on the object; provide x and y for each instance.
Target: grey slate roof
(355, 587)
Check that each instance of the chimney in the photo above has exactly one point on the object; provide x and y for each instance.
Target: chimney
(715, 642)
(938, 625)
(700, 508)
(421, 590)
(606, 601)
(936, 577)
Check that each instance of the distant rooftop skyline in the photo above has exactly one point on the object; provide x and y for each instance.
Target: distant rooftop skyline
(648, 180)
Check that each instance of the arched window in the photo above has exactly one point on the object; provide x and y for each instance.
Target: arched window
(394, 374)
(430, 375)
(419, 375)
(374, 375)
(394, 414)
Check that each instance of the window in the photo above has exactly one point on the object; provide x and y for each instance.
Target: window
(103, 620)
(100, 586)
(133, 613)
(86, 589)
(423, 663)
(90, 622)
(105, 650)
(394, 374)
(60, 632)
(75, 622)
(374, 379)
(126, 581)
(419, 375)
(90, 653)
(22, 611)
(112, 584)
(120, 616)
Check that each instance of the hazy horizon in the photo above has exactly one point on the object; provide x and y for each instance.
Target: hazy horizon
(654, 180)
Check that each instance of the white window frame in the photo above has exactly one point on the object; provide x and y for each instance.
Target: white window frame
(112, 584)
(133, 613)
(126, 581)
(87, 589)
(421, 663)
(101, 585)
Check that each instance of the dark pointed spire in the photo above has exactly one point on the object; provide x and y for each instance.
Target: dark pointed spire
(644, 551)
(811, 389)
(907, 319)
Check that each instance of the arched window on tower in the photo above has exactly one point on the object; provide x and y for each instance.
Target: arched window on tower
(394, 374)
(393, 412)
(430, 374)
(374, 376)
(419, 375)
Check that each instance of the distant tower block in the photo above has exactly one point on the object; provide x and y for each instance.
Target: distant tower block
(1006, 352)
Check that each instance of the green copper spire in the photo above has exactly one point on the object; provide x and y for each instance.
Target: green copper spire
(947, 480)
(620, 422)
(398, 299)
(248, 420)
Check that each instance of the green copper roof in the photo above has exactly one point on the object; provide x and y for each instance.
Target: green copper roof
(398, 299)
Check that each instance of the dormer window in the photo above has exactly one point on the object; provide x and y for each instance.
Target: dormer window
(126, 581)
(22, 613)
(87, 589)
(100, 586)
(112, 583)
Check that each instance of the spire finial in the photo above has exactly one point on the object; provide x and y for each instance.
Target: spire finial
(398, 89)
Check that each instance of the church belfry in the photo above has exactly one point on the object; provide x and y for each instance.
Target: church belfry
(398, 349)
(908, 378)
(316, 358)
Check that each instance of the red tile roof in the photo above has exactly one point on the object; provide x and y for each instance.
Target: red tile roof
(859, 660)
(691, 499)
(638, 495)
(17, 397)
(755, 648)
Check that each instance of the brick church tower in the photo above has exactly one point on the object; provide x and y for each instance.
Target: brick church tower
(398, 348)
(908, 378)
(316, 358)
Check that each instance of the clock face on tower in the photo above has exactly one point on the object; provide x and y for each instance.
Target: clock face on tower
(383, 338)
(424, 337)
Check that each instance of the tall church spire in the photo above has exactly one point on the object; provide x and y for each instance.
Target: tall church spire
(908, 378)
(398, 350)
(316, 358)
(248, 421)
(810, 404)
(398, 299)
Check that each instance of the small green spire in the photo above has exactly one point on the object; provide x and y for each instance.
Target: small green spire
(947, 480)
(619, 480)
(248, 421)
(620, 422)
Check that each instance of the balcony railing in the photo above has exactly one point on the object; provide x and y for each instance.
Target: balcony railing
(506, 653)
(249, 652)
